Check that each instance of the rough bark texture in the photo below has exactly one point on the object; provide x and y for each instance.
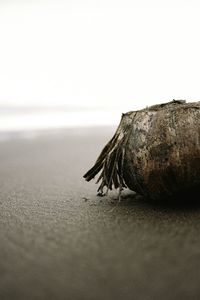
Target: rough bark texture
(154, 152)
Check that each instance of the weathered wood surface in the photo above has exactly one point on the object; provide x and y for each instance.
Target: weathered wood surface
(155, 151)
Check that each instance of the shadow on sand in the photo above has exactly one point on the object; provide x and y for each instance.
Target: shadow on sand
(184, 201)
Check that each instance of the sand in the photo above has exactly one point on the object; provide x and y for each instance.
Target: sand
(59, 241)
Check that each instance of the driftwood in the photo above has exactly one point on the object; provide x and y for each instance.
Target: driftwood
(154, 152)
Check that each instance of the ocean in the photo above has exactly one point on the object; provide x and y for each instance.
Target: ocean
(29, 123)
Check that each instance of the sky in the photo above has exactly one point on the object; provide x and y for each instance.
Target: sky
(92, 54)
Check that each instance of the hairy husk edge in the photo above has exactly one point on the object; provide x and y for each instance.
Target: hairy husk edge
(111, 160)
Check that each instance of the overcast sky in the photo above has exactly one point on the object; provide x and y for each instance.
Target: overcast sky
(99, 53)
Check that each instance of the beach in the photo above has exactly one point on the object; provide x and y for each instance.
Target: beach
(60, 241)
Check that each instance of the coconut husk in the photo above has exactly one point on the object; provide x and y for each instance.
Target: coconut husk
(154, 152)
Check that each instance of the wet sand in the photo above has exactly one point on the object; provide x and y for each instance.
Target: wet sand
(60, 241)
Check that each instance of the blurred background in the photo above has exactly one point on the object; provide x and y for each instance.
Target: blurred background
(82, 63)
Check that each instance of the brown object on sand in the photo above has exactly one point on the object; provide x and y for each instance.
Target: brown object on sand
(154, 152)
